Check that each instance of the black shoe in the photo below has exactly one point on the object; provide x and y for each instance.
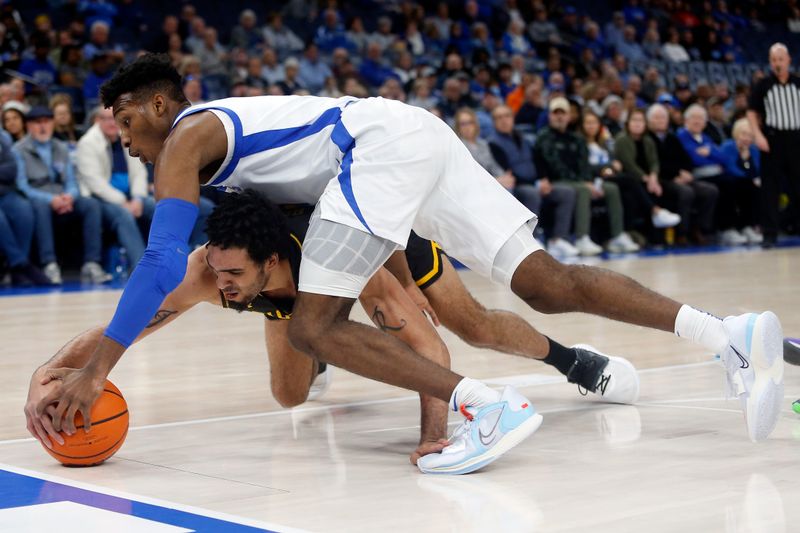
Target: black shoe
(587, 370)
(36, 276)
(18, 277)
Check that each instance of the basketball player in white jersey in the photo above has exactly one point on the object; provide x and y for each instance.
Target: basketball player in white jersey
(376, 169)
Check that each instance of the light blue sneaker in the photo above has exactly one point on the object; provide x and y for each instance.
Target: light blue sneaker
(485, 436)
(754, 363)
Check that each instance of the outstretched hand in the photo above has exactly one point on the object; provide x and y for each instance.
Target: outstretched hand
(41, 427)
(78, 391)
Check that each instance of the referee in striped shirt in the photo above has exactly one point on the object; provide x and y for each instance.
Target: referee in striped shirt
(774, 115)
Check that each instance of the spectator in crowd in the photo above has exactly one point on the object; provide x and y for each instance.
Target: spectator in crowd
(16, 222)
(717, 124)
(99, 72)
(71, 70)
(14, 121)
(45, 175)
(651, 44)
(515, 157)
(357, 36)
(99, 42)
(514, 40)
(313, 71)
(271, 70)
(372, 70)
(615, 30)
(694, 200)
(744, 170)
(421, 95)
(630, 49)
(246, 34)
(254, 78)
(39, 67)
(531, 110)
(613, 118)
(710, 165)
(161, 42)
(193, 89)
(673, 50)
(564, 158)
(452, 99)
(197, 31)
(636, 172)
(280, 37)
(64, 128)
(175, 49)
(331, 34)
(118, 181)
(212, 54)
(290, 83)
(383, 36)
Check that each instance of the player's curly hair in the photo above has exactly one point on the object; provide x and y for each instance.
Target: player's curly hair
(147, 74)
(248, 220)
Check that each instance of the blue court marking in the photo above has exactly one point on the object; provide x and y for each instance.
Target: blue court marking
(18, 489)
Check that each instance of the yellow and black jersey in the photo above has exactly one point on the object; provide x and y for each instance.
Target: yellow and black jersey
(424, 260)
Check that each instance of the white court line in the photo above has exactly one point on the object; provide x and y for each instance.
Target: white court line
(152, 501)
(183, 423)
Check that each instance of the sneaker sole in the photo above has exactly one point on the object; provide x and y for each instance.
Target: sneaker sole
(509, 440)
(763, 404)
(315, 394)
(620, 360)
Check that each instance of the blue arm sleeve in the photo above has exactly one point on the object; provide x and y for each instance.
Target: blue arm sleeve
(159, 271)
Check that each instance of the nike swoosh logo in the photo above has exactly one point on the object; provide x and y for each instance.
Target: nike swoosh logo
(488, 438)
(744, 364)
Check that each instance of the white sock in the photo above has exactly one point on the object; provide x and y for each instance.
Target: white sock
(473, 393)
(701, 328)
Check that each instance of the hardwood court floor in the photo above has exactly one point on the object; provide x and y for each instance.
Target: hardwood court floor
(206, 432)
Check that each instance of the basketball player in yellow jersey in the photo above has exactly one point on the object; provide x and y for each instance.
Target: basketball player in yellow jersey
(257, 272)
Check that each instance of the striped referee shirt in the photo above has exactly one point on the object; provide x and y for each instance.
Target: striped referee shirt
(778, 103)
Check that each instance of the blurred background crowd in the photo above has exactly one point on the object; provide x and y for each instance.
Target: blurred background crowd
(622, 124)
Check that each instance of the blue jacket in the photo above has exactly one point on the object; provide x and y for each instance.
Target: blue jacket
(731, 153)
(715, 157)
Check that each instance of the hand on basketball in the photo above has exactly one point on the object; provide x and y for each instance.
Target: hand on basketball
(427, 447)
(78, 391)
(41, 427)
(422, 302)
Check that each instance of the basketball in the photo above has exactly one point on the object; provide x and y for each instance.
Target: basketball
(109, 429)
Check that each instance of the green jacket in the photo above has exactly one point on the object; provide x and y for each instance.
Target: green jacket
(562, 156)
(625, 151)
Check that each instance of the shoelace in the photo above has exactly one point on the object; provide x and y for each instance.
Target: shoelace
(589, 366)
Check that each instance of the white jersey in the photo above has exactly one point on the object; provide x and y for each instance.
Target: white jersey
(279, 145)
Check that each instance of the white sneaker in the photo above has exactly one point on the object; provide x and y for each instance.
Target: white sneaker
(753, 236)
(586, 246)
(92, 272)
(622, 244)
(665, 219)
(321, 383)
(754, 364)
(561, 248)
(612, 379)
(731, 237)
(485, 435)
(53, 272)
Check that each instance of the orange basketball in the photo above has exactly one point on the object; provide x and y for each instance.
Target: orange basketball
(109, 429)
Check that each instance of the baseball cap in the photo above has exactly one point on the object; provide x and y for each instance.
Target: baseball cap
(559, 103)
(39, 111)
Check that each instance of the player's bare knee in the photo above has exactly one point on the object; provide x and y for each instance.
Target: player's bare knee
(546, 284)
(289, 395)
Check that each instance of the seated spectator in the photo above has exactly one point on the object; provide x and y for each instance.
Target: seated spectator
(383, 37)
(119, 182)
(99, 43)
(452, 99)
(564, 158)
(16, 222)
(253, 78)
(281, 38)
(421, 95)
(706, 156)
(531, 110)
(692, 199)
(331, 34)
(635, 171)
(612, 114)
(358, 36)
(716, 126)
(271, 70)
(542, 31)
(290, 83)
(246, 34)
(14, 120)
(176, 50)
(737, 213)
(514, 40)
(212, 54)
(65, 128)
(193, 89)
(71, 71)
(99, 72)
(673, 50)
(39, 67)
(46, 176)
(515, 157)
(313, 71)
(372, 70)
(629, 47)
(651, 44)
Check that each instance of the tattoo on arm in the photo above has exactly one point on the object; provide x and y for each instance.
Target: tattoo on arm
(380, 319)
(161, 316)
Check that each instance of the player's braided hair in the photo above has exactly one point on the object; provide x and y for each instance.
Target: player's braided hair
(248, 220)
(148, 73)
